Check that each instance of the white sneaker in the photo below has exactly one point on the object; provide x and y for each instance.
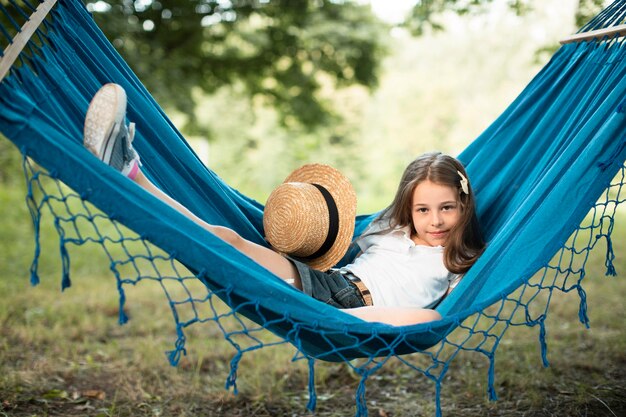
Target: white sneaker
(106, 134)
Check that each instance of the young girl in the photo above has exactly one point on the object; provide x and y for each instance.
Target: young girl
(411, 256)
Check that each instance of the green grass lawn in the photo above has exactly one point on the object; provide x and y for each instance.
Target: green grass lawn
(65, 354)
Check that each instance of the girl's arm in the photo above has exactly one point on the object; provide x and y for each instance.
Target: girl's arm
(396, 316)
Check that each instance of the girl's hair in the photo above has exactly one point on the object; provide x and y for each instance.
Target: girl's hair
(465, 241)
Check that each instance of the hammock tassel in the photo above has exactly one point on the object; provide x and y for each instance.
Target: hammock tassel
(65, 262)
(582, 309)
(491, 391)
(34, 278)
(438, 412)
(312, 394)
(34, 266)
(231, 380)
(65, 257)
(610, 256)
(123, 318)
(174, 355)
(36, 216)
(361, 404)
(542, 342)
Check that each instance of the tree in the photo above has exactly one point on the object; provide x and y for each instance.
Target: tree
(587, 9)
(283, 51)
(424, 14)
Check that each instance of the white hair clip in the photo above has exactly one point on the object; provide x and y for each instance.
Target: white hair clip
(464, 183)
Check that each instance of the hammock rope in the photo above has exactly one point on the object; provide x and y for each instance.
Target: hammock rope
(551, 164)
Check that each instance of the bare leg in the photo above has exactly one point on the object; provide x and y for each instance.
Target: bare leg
(266, 257)
(107, 136)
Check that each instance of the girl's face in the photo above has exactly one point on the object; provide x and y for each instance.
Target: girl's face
(435, 210)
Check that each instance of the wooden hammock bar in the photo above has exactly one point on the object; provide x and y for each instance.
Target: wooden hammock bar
(609, 33)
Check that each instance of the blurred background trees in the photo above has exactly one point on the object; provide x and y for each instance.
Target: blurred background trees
(259, 87)
(284, 52)
(281, 51)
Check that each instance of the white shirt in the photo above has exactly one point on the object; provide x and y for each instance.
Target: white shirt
(400, 273)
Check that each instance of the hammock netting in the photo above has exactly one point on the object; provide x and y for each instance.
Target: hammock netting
(548, 173)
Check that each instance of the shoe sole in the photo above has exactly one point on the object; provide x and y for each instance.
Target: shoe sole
(104, 118)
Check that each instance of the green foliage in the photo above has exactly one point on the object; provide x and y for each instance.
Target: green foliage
(282, 51)
(426, 14)
(585, 11)
(254, 153)
(438, 91)
(588, 9)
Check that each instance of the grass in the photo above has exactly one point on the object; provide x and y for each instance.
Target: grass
(64, 353)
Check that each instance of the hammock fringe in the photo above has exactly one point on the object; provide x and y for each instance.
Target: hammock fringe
(312, 404)
(542, 342)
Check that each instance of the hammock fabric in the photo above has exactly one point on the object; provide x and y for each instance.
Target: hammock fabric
(551, 166)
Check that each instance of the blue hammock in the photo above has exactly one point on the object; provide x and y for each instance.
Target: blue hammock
(555, 154)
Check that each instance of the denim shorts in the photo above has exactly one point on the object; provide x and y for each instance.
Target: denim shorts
(329, 287)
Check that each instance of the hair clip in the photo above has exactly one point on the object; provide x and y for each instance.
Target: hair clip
(464, 183)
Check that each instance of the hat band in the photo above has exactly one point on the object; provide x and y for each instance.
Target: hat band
(333, 225)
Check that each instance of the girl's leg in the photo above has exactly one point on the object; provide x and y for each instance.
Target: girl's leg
(266, 257)
(108, 137)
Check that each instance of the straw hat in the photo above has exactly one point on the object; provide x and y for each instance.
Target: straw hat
(310, 216)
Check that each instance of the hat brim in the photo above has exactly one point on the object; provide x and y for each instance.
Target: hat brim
(344, 196)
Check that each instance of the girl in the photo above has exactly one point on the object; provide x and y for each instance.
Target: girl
(412, 255)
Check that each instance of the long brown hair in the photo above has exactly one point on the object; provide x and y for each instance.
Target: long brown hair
(465, 241)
